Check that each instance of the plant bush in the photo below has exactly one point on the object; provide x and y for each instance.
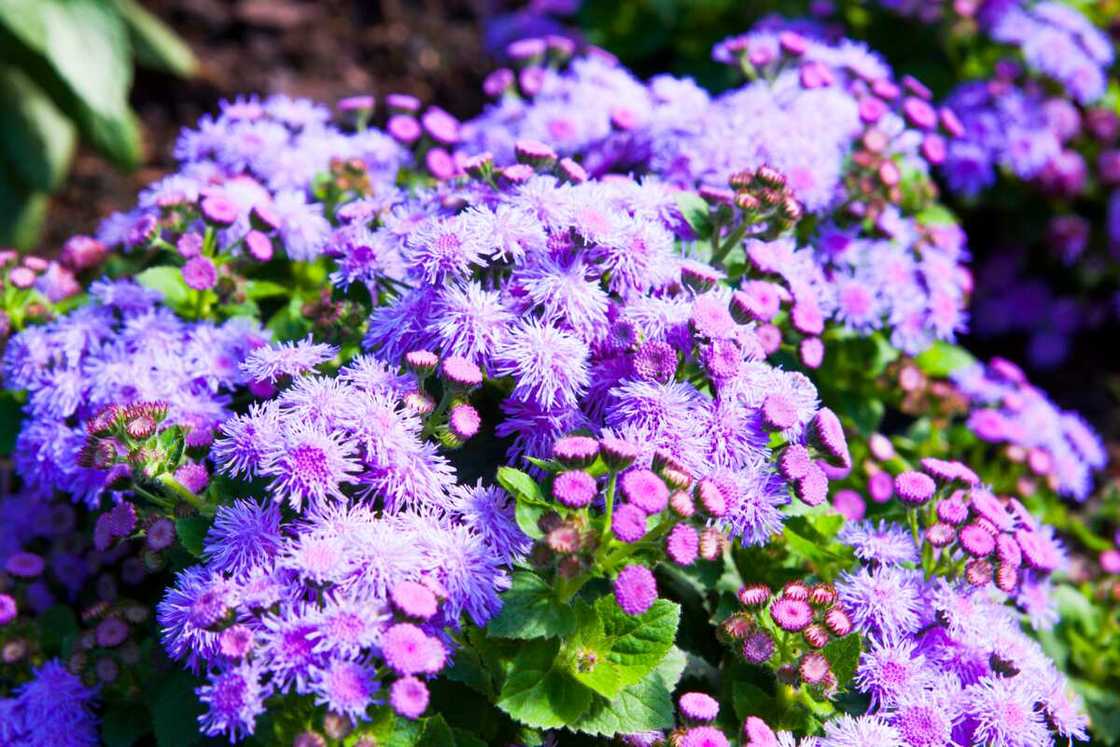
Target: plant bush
(624, 411)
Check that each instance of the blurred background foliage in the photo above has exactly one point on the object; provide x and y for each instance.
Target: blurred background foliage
(66, 68)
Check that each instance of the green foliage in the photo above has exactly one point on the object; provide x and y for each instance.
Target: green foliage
(539, 691)
(191, 531)
(611, 650)
(612, 673)
(696, 213)
(65, 69)
(530, 500)
(943, 358)
(530, 609)
(843, 657)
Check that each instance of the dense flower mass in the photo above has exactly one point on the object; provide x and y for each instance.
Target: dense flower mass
(109, 358)
(623, 410)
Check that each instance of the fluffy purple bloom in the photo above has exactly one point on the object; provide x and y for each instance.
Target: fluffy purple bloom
(234, 698)
(858, 731)
(243, 535)
(547, 364)
(308, 464)
(635, 589)
(409, 697)
(272, 363)
(885, 542)
(345, 687)
(884, 601)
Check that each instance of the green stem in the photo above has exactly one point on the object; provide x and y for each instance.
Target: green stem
(156, 499)
(177, 489)
(732, 241)
(608, 509)
(436, 417)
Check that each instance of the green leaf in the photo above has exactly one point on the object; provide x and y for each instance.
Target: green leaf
(436, 733)
(749, 699)
(22, 212)
(191, 532)
(155, 44)
(942, 359)
(78, 51)
(11, 420)
(539, 692)
(57, 627)
(36, 139)
(257, 289)
(645, 706)
(611, 650)
(521, 485)
(843, 657)
(530, 609)
(387, 729)
(530, 501)
(123, 726)
(167, 280)
(175, 711)
(696, 212)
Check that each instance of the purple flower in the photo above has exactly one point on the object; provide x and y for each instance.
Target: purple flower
(914, 488)
(234, 699)
(441, 249)
(628, 523)
(345, 687)
(409, 650)
(884, 601)
(635, 589)
(885, 543)
(286, 359)
(574, 488)
(199, 273)
(308, 464)
(1003, 712)
(409, 697)
(858, 731)
(547, 364)
(470, 322)
(242, 535)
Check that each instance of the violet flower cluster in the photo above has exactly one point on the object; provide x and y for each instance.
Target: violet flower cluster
(1054, 445)
(849, 166)
(122, 349)
(350, 601)
(248, 176)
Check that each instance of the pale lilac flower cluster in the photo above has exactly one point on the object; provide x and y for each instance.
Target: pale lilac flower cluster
(1054, 39)
(122, 348)
(306, 606)
(957, 667)
(1054, 445)
(579, 296)
(831, 119)
(248, 174)
(1057, 41)
(589, 106)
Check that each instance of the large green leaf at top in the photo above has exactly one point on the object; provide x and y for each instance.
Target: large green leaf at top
(79, 53)
(36, 139)
(156, 45)
(611, 650)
